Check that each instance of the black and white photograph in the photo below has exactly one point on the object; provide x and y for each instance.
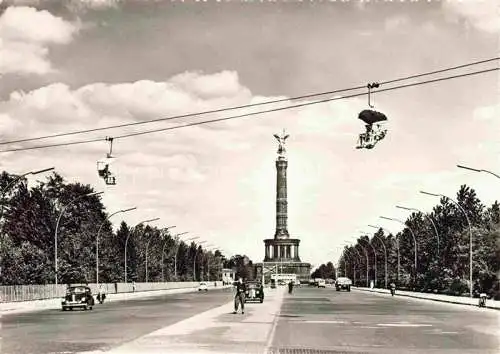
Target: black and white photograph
(249, 176)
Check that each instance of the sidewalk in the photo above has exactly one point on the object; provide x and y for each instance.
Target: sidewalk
(8, 308)
(492, 304)
(215, 331)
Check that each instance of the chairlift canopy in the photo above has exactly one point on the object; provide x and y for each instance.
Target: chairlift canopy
(370, 116)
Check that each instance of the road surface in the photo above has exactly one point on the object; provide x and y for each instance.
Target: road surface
(311, 320)
(106, 326)
(358, 322)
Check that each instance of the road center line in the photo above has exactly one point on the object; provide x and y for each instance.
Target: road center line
(403, 325)
(319, 321)
(275, 324)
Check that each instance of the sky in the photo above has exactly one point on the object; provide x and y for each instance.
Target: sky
(82, 64)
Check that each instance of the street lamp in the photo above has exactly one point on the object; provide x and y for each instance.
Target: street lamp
(375, 256)
(177, 249)
(147, 247)
(359, 254)
(8, 187)
(428, 218)
(397, 248)
(97, 241)
(59, 220)
(385, 251)
(470, 232)
(343, 255)
(126, 242)
(220, 261)
(18, 178)
(163, 254)
(338, 265)
(194, 259)
(477, 170)
(367, 265)
(413, 236)
(353, 263)
(210, 247)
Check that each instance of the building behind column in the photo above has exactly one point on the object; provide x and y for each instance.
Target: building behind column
(281, 253)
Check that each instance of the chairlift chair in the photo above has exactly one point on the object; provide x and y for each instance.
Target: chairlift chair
(373, 124)
(103, 166)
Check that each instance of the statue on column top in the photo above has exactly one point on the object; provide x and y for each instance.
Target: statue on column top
(281, 140)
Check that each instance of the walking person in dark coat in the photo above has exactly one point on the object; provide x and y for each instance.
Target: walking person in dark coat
(239, 297)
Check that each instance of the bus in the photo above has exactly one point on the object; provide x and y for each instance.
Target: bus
(283, 279)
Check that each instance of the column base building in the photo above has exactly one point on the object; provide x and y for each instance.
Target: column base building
(282, 258)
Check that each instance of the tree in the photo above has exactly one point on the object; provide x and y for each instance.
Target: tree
(324, 271)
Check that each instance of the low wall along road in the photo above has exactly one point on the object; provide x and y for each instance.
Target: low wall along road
(52, 299)
(16, 293)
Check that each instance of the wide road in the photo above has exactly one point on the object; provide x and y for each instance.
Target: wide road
(318, 320)
(106, 326)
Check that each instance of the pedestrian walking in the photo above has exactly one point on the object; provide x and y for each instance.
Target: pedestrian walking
(101, 295)
(393, 288)
(239, 297)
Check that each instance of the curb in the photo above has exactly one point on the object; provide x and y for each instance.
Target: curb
(427, 298)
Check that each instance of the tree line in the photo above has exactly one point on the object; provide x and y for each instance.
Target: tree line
(28, 220)
(324, 271)
(442, 247)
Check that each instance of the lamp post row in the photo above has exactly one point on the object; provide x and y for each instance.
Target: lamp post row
(462, 210)
(63, 210)
(126, 241)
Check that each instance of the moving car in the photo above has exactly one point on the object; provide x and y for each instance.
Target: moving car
(343, 284)
(321, 283)
(254, 292)
(78, 296)
(203, 286)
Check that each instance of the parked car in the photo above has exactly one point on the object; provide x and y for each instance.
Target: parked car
(321, 283)
(254, 292)
(343, 284)
(78, 296)
(203, 287)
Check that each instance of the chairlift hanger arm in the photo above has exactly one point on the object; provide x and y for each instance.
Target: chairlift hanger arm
(110, 139)
(370, 87)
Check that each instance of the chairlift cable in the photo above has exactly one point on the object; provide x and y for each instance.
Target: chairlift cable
(294, 106)
(76, 132)
(252, 113)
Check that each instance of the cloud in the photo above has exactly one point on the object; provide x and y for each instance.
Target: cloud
(25, 35)
(218, 181)
(482, 14)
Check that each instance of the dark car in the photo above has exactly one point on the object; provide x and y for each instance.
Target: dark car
(254, 292)
(343, 284)
(78, 296)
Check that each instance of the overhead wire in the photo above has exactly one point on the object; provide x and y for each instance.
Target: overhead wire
(85, 131)
(294, 106)
(249, 114)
